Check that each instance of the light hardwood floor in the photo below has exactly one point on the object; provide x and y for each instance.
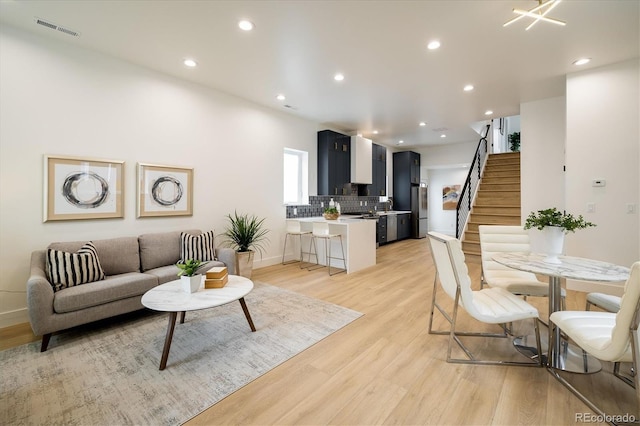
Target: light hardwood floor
(385, 368)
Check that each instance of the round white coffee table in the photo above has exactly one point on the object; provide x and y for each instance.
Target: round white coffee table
(171, 298)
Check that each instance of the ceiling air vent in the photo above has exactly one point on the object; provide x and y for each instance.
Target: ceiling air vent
(56, 27)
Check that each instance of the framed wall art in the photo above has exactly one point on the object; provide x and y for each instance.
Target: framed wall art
(450, 195)
(164, 190)
(82, 188)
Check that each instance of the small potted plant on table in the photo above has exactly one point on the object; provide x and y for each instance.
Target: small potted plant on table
(331, 213)
(553, 225)
(190, 279)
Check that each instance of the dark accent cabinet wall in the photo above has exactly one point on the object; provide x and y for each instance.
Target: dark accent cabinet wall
(406, 173)
(334, 163)
(381, 230)
(404, 226)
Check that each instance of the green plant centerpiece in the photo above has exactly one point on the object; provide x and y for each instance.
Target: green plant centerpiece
(553, 217)
(189, 273)
(552, 225)
(189, 267)
(331, 213)
(246, 234)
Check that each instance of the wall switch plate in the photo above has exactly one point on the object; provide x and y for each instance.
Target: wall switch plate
(591, 207)
(321, 203)
(360, 203)
(365, 203)
(598, 182)
(295, 211)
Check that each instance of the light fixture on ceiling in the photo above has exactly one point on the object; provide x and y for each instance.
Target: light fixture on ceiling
(400, 142)
(433, 45)
(443, 135)
(537, 13)
(488, 112)
(190, 63)
(280, 97)
(245, 25)
(468, 88)
(338, 77)
(582, 61)
(375, 132)
(422, 124)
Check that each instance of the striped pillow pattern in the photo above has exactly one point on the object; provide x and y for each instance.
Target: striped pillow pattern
(197, 247)
(71, 269)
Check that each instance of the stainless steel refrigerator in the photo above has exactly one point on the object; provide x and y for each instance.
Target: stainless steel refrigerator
(419, 211)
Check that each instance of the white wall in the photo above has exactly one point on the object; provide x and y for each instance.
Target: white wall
(59, 99)
(443, 221)
(542, 140)
(603, 142)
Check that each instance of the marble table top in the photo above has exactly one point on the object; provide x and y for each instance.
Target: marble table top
(170, 297)
(575, 268)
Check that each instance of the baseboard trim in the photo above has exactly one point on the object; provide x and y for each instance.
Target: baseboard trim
(18, 316)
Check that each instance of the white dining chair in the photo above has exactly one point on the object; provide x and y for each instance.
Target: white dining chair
(607, 336)
(495, 239)
(603, 301)
(322, 232)
(492, 305)
(294, 229)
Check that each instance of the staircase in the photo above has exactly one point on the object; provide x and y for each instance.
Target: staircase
(497, 202)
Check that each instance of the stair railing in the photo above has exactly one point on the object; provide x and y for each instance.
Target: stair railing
(465, 201)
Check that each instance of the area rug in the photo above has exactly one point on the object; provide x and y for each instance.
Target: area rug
(108, 374)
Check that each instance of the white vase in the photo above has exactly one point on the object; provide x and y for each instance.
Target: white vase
(190, 284)
(553, 243)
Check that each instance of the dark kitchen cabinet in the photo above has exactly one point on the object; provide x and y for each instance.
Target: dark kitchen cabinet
(379, 173)
(334, 163)
(381, 230)
(404, 226)
(406, 173)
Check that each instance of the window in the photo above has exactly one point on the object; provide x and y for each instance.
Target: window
(296, 176)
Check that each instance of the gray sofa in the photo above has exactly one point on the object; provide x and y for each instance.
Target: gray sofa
(132, 266)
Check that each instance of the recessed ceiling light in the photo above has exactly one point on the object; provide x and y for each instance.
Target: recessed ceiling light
(433, 45)
(190, 63)
(338, 77)
(280, 97)
(468, 88)
(488, 112)
(375, 132)
(245, 25)
(400, 142)
(443, 135)
(582, 61)
(422, 124)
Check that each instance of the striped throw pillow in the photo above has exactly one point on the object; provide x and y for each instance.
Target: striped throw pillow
(197, 247)
(70, 269)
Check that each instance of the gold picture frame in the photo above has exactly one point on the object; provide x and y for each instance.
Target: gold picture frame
(164, 190)
(82, 188)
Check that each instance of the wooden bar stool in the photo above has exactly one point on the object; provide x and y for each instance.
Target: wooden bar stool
(294, 230)
(321, 231)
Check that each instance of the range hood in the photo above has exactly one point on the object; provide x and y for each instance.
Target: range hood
(361, 160)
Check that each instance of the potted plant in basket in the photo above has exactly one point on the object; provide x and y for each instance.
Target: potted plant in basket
(246, 234)
(553, 225)
(190, 278)
(331, 213)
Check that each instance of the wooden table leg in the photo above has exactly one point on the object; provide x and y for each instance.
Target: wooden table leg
(182, 317)
(167, 340)
(246, 313)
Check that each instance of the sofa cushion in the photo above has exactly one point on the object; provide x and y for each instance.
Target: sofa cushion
(116, 255)
(111, 289)
(161, 249)
(65, 269)
(198, 247)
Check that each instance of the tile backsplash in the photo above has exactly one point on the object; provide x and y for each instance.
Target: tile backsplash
(348, 204)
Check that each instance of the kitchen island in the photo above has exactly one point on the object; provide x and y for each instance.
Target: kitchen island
(358, 238)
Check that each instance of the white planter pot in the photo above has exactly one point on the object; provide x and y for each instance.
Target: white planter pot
(244, 263)
(190, 284)
(552, 243)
